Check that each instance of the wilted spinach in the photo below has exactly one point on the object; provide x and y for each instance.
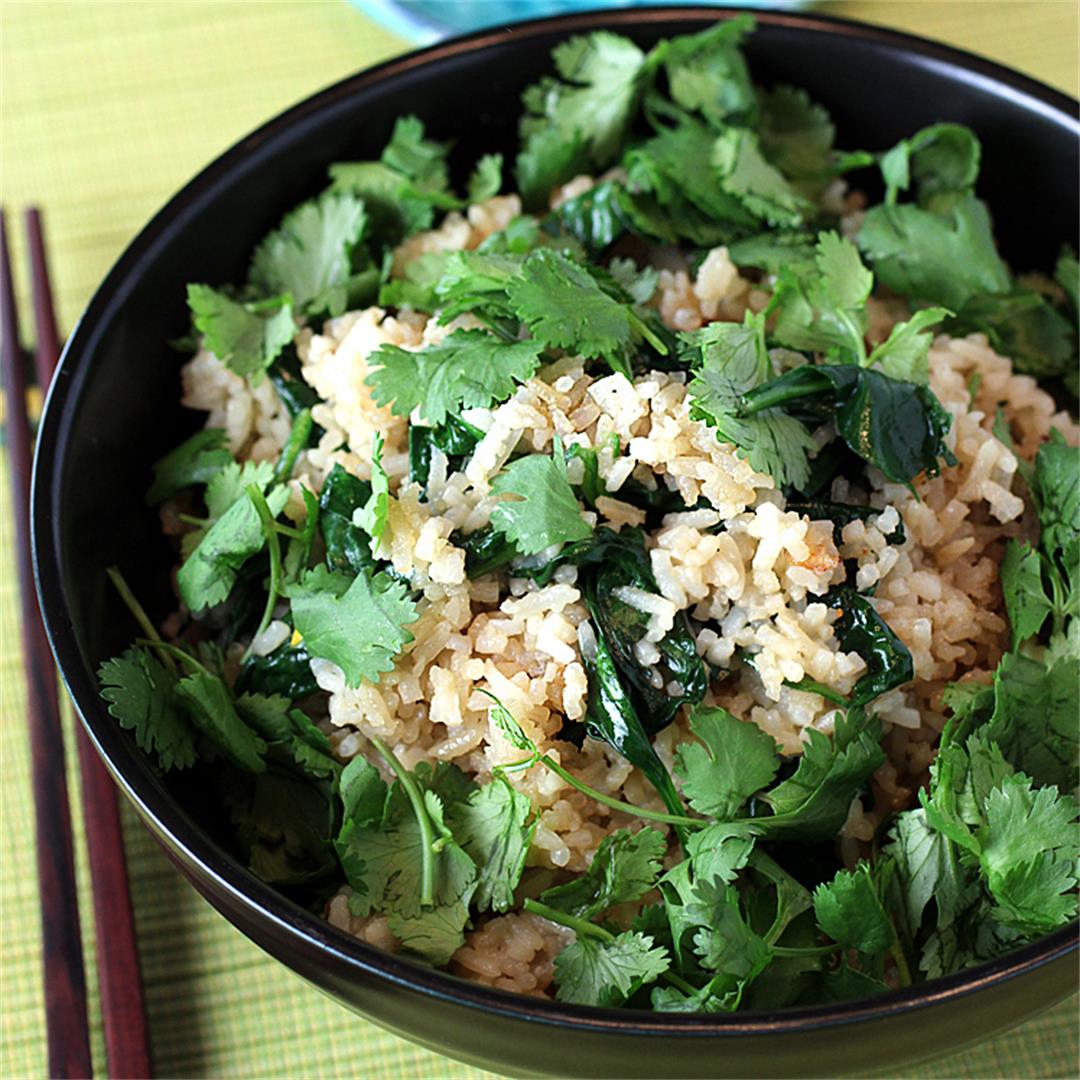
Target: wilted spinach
(860, 629)
(896, 426)
(348, 547)
(619, 560)
(456, 438)
(843, 514)
(286, 671)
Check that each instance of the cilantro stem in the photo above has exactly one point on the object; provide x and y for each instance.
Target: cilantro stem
(580, 926)
(288, 531)
(792, 386)
(273, 544)
(133, 605)
(642, 328)
(818, 950)
(615, 804)
(427, 835)
(192, 519)
(812, 686)
(174, 651)
(584, 928)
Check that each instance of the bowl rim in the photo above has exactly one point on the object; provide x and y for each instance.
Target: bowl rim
(340, 954)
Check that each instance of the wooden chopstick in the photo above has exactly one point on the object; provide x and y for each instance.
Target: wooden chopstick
(122, 1006)
(64, 977)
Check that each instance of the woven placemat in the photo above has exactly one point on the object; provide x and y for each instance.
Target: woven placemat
(107, 109)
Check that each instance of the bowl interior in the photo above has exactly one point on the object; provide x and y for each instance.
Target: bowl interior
(115, 406)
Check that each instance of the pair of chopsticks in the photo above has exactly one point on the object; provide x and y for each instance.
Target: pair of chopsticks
(122, 1009)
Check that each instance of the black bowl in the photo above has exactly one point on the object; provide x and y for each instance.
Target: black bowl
(114, 409)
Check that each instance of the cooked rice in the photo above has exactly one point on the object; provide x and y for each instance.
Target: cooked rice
(758, 581)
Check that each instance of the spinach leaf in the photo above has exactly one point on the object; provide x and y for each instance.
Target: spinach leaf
(896, 426)
(286, 672)
(595, 218)
(348, 547)
(622, 562)
(861, 629)
(296, 395)
(611, 718)
(456, 438)
(843, 514)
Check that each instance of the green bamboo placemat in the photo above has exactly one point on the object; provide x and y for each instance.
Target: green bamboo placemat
(107, 109)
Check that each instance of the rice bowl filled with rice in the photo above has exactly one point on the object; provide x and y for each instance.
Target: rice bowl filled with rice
(656, 586)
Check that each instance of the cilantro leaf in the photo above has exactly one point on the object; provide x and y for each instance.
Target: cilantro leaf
(209, 573)
(761, 188)
(363, 792)
(731, 359)
(1026, 602)
(565, 308)
(420, 159)
(357, 623)
(823, 308)
(1028, 853)
(545, 510)
(707, 72)
(1067, 275)
(371, 517)
(139, 691)
(849, 910)
(1034, 717)
(725, 943)
(941, 258)
(267, 714)
(230, 484)
(594, 972)
(208, 703)
(1023, 325)
(469, 368)
(245, 337)
(904, 354)
(928, 868)
(796, 136)
(486, 178)
(735, 760)
(433, 934)
(491, 827)
(1057, 494)
(943, 159)
(402, 190)
(195, 461)
(592, 109)
(676, 193)
(718, 852)
(309, 255)
(624, 868)
(813, 802)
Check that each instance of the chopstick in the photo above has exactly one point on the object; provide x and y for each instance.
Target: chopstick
(64, 977)
(122, 1007)
(123, 1012)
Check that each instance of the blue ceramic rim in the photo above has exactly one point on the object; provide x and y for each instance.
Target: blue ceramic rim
(423, 27)
(131, 770)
